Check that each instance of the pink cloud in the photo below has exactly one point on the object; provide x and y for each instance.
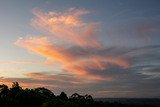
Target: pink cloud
(42, 47)
(68, 27)
(24, 83)
(65, 30)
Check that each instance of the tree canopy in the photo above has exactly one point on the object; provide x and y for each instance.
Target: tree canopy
(43, 97)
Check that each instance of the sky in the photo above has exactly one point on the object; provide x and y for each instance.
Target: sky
(106, 48)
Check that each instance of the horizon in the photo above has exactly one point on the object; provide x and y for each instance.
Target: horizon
(107, 48)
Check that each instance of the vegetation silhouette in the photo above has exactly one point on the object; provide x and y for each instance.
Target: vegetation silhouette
(42, 97)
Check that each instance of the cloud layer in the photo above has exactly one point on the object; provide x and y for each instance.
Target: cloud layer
(86, 63)
(71, 42)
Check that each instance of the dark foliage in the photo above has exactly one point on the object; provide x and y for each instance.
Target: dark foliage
(42, 97)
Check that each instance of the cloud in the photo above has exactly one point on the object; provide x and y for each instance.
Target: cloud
(27, 62)
(80, 51)
(73, 61)
(25, 82)
(136, 31)
(42, 47)
(99, 64)
(140, 77)
(86, 63)
(67, 27)
(56, 83)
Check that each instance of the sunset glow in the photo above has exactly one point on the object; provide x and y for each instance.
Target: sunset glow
(103, 49)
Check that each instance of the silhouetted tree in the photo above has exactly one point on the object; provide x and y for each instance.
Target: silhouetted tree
(44, 91)
(42, 97)
(4, 91)
(63, 96)
(15, 89)
(88, 97)
(75, 96)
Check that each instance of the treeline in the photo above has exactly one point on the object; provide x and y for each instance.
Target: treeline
(42, 97)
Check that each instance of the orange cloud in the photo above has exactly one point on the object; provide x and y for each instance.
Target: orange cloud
(68, 27)
(38, 76)
(25, 84)
(97, 63)
(42, 47)
(69, 30)
(69, 62)
(33, 80)
(84, 67)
